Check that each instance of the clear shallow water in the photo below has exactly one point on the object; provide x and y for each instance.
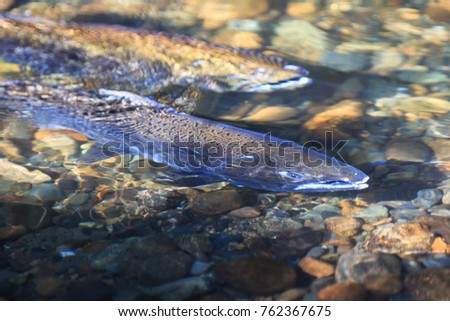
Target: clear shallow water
(380, 82)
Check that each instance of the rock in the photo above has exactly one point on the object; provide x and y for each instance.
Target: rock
(343, 226)
(325, 210)
(436, 224)
(384, 285)
(199, 267)
(341, 118)
(406, 213)
(244, 25)
(402, 239)
(345, 62)
(426, 198)
(440, 212)
(198, 245)
(446, 197)
(215, 203)
(441, 149)
(183, 289)
(6, 282)
(157, 269)
(298, 9)
(62, 143)
(439, 246)
(16, 173)
(438, 11)
(316, 268)
(42, 134)
(439, 127)
(300, 38)
(5, 186)
(10, 151)
(291, 294)
(12, 232)
(407, 151)
(316, 252)
(47, 286)
(349, 207)
(429, 284)
(373, 213)
(272, 114)
(246, 212)
(343, 291)
(361, 267)
(387, 59)
(423, 104)
(44, 193)
(6, 4)
(89, 290)
(216, 13)
(243, 39)
(256, 275)
(32, 217)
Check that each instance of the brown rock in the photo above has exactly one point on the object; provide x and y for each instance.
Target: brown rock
(438, 11)
(349, 208)
(11, 232)
(344, 291)
(6, 4)
(317, 268)
(215, 203)
(343, 226)
(247, 212)
(401, 239)
(47, 286)
(439, 246)
(384, 285)
(243, 39)
(429, 284)
(407, 151)
(441, 149)
(257, 275)
(338, 118)
(298, 9)
(436, 224)
(43, 133)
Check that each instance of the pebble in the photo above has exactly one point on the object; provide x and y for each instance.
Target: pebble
(200, 267)
(197, 245)
(345, 62)
(439, 127)
(16, 173)
(316, 252)
(256, 275)
(401, 239)
(183, 289)
(299, 9)
(342, 291)
(406, 214)
(6, 4)
(436, 224)
(243, 25)
(245, 212)
(446, 197)
(215, 203)
(429, 284)
(373, 213)
(291, 294)
(349, 207)
(316, 268)
(437, 261)
(387, 59)
(343, 226)
(43, 193)
(272, 114)
(7, 285)
(325, 210)
(362, 267)
(407, 151)
(423, 104)
(426, 198)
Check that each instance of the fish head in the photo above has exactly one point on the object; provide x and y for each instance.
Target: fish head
(265, 78)
(321, 173)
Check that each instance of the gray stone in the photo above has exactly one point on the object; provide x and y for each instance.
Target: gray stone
(200, 267)
(362, 267)
(406, 213)
(345, 62)
(44, 193)
(426, 198)
(316, 252)
(429, 284)
(373, 213)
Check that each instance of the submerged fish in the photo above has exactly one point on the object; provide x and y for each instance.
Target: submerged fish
(125, 122)
(145, 59)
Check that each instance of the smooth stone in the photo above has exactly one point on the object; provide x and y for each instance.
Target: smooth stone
(16, 173)
(157, 269)
(12, 232)
(245, 212)
(107, 259)
(291, 294)
(437, 261)
(424, 104)
(78, 199)
(406, 213)
(342, 291)
(316, 268)
(439, 127)
(387, 59)
(343, 226)
(183, 289)
(346, 62)
(441, 212)
(362, 267)
(32, 217)
(200, 267)
(372, 214)
(429, 284)
(384, 285)
(298, 9)
(5, 186)
(215, 203)
(401, 239)
(436, 224)
(7, 285)
(316, 252)
(44, 193)
(256, 275)
(243, 25)
(198, 245)
(407, 151)
(446, 197)
(426, 198)
(325, 209)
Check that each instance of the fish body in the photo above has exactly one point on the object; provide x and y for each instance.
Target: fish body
(153, 60)
(126, 122)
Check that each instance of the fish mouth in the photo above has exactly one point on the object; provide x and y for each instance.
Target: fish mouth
(332, 186)
(287, 84)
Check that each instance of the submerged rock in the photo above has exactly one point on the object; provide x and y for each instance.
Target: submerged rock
(426, 198)
(429, 284)
(256, 275)
(342, 291)
(215, 203)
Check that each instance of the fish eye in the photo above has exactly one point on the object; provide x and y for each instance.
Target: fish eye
(291, 174)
